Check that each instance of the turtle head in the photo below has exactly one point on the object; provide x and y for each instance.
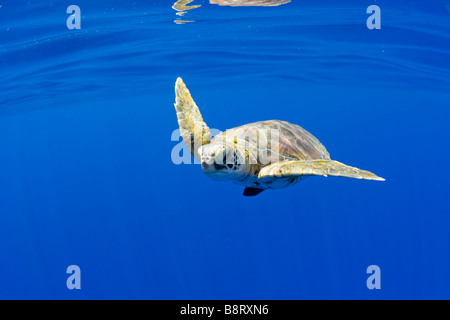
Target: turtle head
(222, 162)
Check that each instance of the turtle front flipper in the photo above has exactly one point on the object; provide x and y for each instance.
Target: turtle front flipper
(194, 131)
(314, 168)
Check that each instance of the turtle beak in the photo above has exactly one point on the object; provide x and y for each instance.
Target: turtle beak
(215, 171)
(214, 167)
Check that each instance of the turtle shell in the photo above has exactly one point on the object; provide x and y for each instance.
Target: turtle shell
(274, 140)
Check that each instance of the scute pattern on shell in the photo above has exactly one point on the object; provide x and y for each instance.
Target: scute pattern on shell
(295, 143)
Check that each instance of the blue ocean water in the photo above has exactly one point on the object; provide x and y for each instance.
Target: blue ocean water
(87, 179)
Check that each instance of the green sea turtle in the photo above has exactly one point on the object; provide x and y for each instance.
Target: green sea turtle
(262, 155)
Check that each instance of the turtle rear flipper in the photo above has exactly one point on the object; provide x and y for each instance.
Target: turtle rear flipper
(193, 129)
(315, 168)
(251, 192)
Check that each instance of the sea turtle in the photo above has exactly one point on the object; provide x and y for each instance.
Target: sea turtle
(262, 155)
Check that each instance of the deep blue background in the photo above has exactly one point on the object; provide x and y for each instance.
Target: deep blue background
(86, 175)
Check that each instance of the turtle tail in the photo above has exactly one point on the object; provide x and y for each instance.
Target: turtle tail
(193, 129)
